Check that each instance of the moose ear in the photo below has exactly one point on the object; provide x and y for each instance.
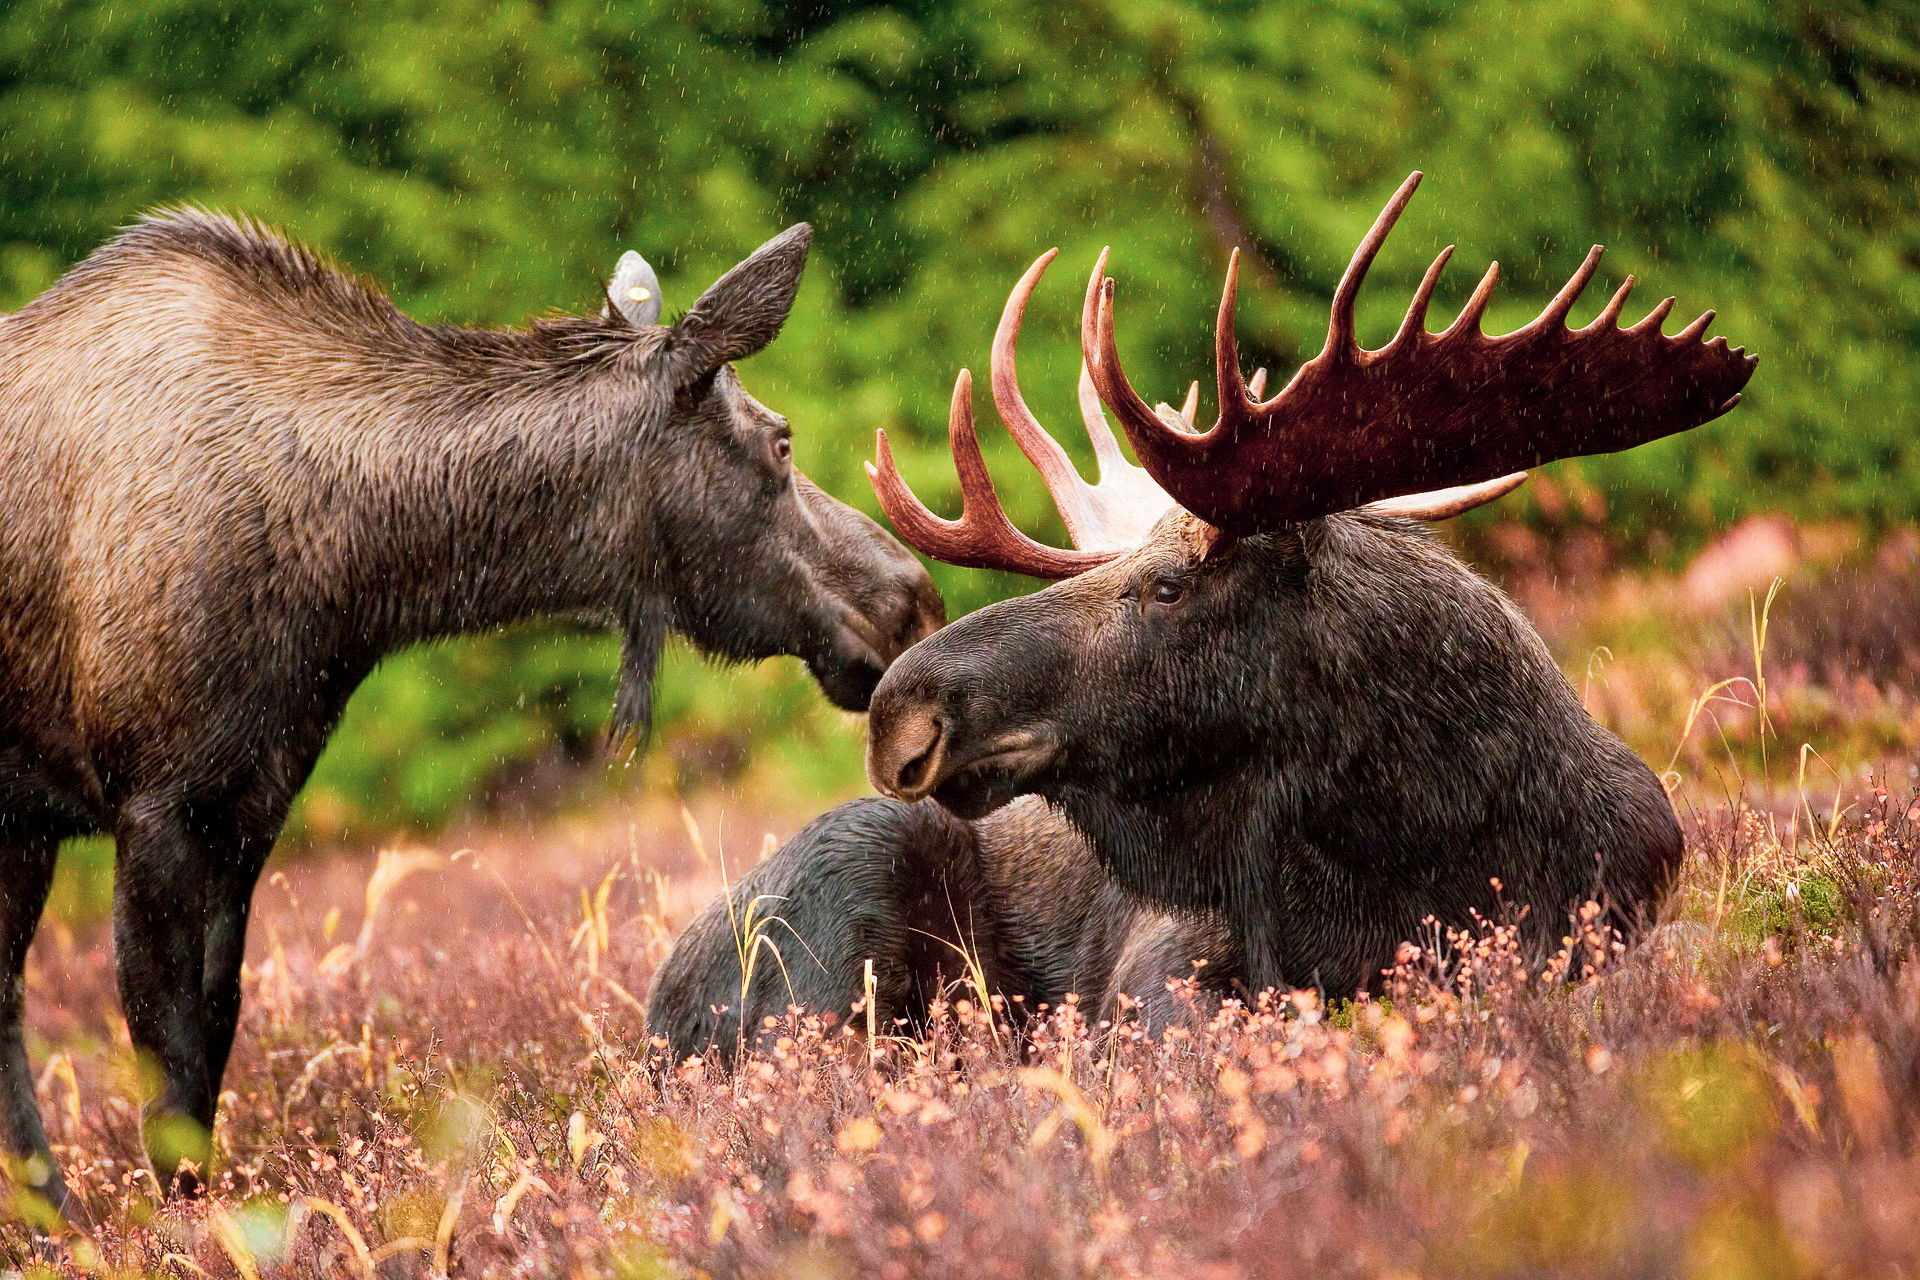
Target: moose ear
(745, 308)
(634, 291)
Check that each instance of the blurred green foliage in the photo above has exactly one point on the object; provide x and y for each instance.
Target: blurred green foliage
(486, 161)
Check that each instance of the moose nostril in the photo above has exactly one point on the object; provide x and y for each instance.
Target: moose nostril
(914, 771)
(904, 753)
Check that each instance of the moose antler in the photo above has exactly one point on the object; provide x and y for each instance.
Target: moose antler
(1113, 515)
(982, 538)
(1427, 411)
(1103, 520)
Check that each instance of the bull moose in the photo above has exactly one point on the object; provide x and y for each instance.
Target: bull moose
(233, 477)
(1268, 721)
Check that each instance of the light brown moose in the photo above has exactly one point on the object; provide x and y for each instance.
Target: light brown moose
(232, 478)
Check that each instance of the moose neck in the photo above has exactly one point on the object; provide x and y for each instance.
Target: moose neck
(471, 484)
(1211, 847)
(386, 480)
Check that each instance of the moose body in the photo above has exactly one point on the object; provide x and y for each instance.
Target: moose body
(233, 478)
(1337, 733)
(925, 896)
(1328, 735)
(1282, 722)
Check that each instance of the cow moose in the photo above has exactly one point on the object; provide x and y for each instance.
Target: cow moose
(1267, 721)
(233, 477)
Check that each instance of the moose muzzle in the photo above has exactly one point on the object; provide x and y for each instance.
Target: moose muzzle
(934, 732)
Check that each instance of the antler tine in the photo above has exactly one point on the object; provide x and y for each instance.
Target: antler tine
(1610, 315)
(910, 516)
(1068, 490)
(1444, 504)
(1160, 447)
(1090, 311)
(1468, 321)
(1100, 360)
(1226, 352)
(1556, 311)
(982, 538)
(1654, 318)
(1693, 331)
(1093, 355)
(1114, 467)
(1257, 383)
(1340, 327)
(1106, 448)
(1415, 322)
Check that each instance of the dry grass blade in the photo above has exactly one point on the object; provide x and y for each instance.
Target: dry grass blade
(443, 1234)
(232, 1238)
(355, 1241)
(503, 1207)
(1074, 1107)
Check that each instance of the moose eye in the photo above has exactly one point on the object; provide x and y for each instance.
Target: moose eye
(783, 448)
(1167, 591)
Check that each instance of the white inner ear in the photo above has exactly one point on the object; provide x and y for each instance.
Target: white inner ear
(635, 289)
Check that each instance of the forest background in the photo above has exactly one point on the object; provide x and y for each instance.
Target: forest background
(487, 162)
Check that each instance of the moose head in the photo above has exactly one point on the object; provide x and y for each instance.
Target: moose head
(744, 555)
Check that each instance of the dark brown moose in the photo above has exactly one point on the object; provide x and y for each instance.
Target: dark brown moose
(233, 477)
(1274, 727)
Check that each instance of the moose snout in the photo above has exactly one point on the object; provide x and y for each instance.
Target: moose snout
(911, 606)
(909, 609)
(879, 599)
(965, 718)
(871, 635)
(904, 749)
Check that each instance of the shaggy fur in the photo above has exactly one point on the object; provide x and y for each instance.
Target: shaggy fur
(922, 894)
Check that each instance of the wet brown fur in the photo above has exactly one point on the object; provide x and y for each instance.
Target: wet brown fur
(234, 477)
(927, 896)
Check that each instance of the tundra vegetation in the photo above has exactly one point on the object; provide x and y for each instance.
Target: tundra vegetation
(442, 1069)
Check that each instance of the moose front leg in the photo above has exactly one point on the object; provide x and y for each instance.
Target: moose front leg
(161, 896)
(229, 905)
(26, 873)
